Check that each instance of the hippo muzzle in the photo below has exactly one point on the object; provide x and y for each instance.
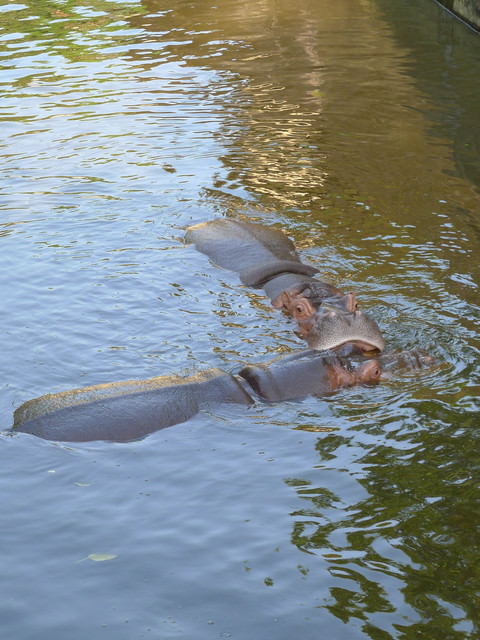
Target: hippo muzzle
(332, 327)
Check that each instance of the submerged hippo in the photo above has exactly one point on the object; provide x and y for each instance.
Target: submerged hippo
(310, 374)
(125, 411)
(300, 303)
(245, 247)
(264, 257)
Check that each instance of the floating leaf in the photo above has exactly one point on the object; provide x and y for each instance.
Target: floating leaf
(101, 557)
(310, 427)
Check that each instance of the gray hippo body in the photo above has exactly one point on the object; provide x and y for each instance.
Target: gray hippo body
(307, 373)
(240, 246)
(125, 411)
(265, 257)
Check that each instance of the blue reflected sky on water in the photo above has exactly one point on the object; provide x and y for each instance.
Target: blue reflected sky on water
(353, 127)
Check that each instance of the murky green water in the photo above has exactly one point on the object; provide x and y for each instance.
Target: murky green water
(353, 126)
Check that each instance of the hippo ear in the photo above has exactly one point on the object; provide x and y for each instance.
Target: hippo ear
(287, 300)
(277, 303)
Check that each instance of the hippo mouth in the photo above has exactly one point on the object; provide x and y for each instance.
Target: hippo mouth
(352, 346)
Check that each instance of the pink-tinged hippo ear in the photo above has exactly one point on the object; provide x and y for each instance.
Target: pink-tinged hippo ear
(350, 302)
(277, 303)
(285, 300)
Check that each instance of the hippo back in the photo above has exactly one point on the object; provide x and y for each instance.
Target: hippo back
(124, 411)
(239, 245)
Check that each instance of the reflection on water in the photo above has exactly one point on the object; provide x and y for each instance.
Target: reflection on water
(354, 127)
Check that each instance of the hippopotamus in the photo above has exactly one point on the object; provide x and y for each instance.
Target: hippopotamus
(274, 265)
(242, 246)
(302, 302)
(264, 257)
(125, 411)
(309, 373)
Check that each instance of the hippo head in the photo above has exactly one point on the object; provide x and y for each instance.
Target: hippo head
(301, 306)
(332, 327)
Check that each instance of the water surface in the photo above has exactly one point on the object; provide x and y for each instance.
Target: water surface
(354, 127)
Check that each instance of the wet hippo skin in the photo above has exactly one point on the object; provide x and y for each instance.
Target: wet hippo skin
(239, 246)
(125, 411)
(312, 374)
(331, 328)
(264, 257)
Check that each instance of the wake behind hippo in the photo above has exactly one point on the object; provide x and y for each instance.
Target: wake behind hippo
(125, 411)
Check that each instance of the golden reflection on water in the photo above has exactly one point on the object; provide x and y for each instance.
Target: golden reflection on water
(328, 133)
